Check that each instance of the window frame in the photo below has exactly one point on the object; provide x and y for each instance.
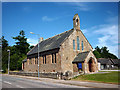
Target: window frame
(73, 44)
(82, 46)
(78, 43)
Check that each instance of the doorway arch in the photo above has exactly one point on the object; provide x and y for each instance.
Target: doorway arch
(91, 65)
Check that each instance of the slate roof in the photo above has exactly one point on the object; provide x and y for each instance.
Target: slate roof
(104, 60)
(115, 61)
(51, 43)
(81, 57)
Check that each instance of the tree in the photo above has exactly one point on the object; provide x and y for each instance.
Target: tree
(4, 43)
(98, 49)
(97, 54)
(20, 50)
(31, 47)
(103, 53)
(4, 54)
(22, 46)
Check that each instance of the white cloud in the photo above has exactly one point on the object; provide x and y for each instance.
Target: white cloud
(84, 31)
(80, 6)
(46, 18)
(104, 35)
(32, 41)
(108, 37)
(108, 32)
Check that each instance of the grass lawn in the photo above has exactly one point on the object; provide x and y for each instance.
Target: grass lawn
(111, 77)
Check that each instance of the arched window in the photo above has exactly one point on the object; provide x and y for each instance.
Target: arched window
(78, 43)
(73, 44)
(82, 46)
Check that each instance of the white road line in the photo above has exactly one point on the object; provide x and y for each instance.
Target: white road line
(19, 86)
(7, 82)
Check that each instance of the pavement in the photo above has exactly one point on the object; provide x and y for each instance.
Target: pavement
(52, 83)
(109, 70)
(12, 81)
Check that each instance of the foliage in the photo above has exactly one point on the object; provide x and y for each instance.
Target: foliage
(17, 52)
(103, 53)
(21, 45)
(4, 43)
(97, 54)
(31, 47)
(4, 53)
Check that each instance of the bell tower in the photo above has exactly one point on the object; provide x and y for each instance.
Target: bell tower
(76, 22)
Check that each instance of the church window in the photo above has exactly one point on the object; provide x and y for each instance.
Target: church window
(78, 43)
(44, 59)
(54, 58)
(82, 46)
(73, 44)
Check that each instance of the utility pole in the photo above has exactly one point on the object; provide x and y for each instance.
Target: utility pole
(38, 50)
(8, 61)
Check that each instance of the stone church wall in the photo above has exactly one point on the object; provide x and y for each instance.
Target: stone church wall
(68, 54)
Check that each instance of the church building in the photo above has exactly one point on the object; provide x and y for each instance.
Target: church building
(68, 51)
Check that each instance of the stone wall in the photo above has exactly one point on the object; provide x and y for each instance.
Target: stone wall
(64, 56)
(42, 75)
(94, 64)
(55, 75)
(68, 54)
(31, 66)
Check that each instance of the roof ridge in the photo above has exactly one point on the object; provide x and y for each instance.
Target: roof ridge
(64, 33)
(57, 35)
(86, 38)
(85, 52)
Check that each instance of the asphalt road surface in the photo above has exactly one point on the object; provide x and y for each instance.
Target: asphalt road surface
(18, 82)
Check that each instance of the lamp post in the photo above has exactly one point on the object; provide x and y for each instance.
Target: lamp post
(8, 60)
(38, 50)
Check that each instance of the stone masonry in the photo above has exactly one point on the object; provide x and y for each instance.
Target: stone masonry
(65, 54)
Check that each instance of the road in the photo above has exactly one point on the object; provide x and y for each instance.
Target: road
(18, 82)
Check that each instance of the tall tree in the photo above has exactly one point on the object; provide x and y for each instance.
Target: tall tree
(98, 49)
(4, 53)
(103, 53)
(97, 54)
(21, 45)
(4, 43)
(21, 48)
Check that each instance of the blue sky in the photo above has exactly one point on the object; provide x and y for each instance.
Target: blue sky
(98, 21)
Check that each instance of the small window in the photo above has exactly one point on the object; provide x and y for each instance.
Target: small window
(45, 59)
(37, 60)
(82, 46)
(52, 58)
(78, 43)
(73, 44)
(55, 57)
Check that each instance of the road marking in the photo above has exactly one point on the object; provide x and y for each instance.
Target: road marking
(7, 82)
(19, 86)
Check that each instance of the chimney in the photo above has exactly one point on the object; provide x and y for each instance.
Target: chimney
(41, 39)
